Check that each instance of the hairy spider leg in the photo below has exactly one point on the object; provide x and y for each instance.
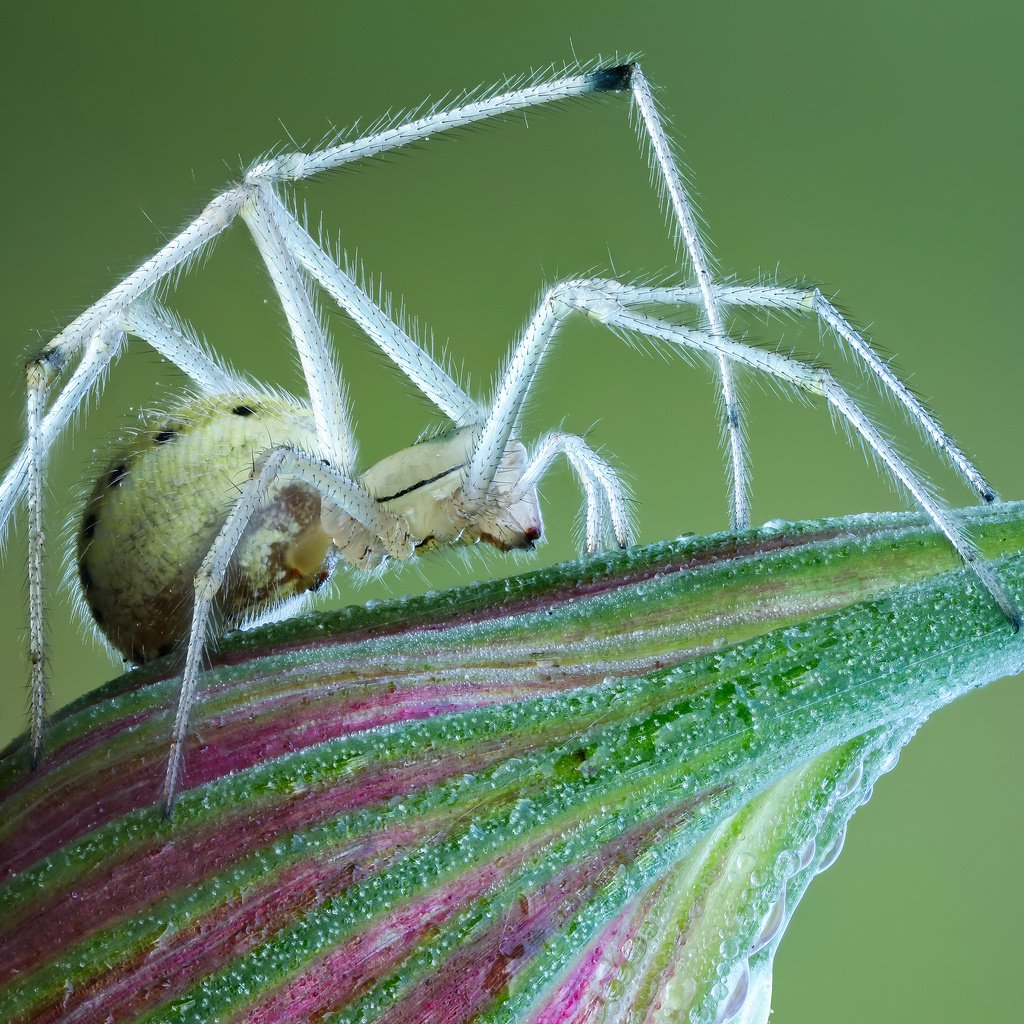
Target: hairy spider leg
(323, 378)
(609, 302)
(811, 301)
(281, 462)
(661, 153)
(27, 472)
(409, 356)
(602, 488)
(601, 485)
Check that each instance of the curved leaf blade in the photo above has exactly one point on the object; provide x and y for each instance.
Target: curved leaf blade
(593, 793)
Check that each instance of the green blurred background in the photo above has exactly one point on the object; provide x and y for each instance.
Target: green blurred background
(874, 147)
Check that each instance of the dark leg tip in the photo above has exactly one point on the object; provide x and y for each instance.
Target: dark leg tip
(615, 79)
(989, 497)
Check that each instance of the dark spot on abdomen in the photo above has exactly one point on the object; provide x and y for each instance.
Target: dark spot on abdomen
(163, 436)
(117, 475)
(85, 577)
(89, 525)
(244, 410)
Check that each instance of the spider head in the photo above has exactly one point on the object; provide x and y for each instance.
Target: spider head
(510, 519)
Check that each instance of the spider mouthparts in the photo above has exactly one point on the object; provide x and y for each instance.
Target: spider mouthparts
(615, 79)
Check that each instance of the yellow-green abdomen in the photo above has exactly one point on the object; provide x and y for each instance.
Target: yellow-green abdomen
(156, 511)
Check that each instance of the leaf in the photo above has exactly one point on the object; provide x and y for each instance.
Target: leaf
(593, 793)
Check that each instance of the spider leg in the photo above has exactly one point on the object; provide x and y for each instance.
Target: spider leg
(323, 379)
(811, 300)
(175, 341)
(36, 632)
(280, 463)
(186, 245)
(297, 166)
(819, 381)
(100, 351)
(30, 468)
(607, 301)
(222, 210)
(679, 203)
(149, 323)
(43, 430)
(410, 357)
(602, 488)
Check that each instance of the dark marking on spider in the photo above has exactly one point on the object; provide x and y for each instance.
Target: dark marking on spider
(85, 577)
(89, 525)
(419, 483)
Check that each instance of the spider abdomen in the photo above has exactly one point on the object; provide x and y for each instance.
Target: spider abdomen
(154, 514)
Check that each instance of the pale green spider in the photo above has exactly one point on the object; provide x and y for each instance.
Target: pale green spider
(241, 498)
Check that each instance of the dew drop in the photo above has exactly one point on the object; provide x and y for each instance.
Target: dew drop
(772, 923)
(832, 854)
(744, 862)
(758, 1006)
(786, 864)
(808, 852)
(737, 996)
(850, 782)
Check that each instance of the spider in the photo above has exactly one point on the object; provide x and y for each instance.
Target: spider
(241, 498)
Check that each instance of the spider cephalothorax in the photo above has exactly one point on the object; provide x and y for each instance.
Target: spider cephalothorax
(240, 500)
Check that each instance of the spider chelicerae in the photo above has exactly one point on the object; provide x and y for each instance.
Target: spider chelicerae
(242, 498)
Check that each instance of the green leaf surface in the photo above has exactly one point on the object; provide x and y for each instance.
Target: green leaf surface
(593, 793)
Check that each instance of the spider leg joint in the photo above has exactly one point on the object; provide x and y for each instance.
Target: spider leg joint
(617, 79)
(582, 296)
